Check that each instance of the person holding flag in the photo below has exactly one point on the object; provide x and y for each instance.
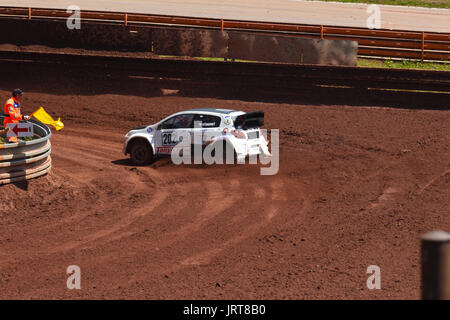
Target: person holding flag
(12, 113)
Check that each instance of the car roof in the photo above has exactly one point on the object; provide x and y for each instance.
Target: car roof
(213, 110)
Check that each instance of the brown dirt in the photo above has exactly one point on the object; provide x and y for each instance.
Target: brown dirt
(356, 187)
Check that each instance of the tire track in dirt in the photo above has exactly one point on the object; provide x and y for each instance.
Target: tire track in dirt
(121, 176)
(69, 155)
(159, 200)
(277, 189)
(218, 201)
(151, 223)
(432, 181)
(156, 202)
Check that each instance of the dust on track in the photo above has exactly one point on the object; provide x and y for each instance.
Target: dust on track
(356, 187)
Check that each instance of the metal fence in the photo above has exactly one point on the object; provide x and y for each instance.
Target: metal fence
(373, 43)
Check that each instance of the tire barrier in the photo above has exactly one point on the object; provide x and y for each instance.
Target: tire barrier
(27, 159)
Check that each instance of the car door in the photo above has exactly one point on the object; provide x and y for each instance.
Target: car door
(171, 130)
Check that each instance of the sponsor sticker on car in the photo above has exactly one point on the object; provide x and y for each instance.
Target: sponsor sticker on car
(165, 150)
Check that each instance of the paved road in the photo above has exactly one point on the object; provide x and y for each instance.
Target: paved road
(290, 11)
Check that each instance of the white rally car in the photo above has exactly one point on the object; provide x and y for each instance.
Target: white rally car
(237, 129)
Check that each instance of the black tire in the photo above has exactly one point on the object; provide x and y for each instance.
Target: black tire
(141, 153)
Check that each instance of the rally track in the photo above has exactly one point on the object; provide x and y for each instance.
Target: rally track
(357, 186)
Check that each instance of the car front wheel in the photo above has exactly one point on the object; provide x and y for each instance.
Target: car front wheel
(141, 153)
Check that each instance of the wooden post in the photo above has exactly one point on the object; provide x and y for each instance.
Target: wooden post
(29, 13)
(436, 265)
(126, 18)
(423, 46)
(221, 28)
(321, 32)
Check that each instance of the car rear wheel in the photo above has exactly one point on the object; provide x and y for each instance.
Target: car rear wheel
(141, 153)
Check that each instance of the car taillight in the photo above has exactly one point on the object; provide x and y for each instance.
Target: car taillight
(238, 134)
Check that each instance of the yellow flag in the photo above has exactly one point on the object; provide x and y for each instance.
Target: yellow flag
(44, 117)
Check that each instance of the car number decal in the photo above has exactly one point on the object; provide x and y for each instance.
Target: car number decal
(168, 139)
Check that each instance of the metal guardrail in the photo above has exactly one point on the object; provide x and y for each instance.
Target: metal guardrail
(27, 159)
(373, 43)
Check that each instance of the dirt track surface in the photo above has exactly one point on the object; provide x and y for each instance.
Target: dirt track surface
(356, 187)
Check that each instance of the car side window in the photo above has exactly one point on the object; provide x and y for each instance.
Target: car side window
(168, 124)
(181, 121)
(208, 121)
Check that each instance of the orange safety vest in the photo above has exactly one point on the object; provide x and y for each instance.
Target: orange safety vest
(12, 112)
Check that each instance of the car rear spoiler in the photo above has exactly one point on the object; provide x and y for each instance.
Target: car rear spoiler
(249, 120)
